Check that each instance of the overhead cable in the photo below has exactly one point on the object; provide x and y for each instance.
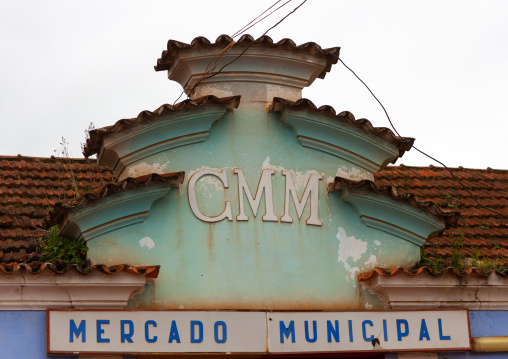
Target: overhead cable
(417, 149)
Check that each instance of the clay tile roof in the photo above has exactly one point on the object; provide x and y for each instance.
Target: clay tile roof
(93, 143)
(57, 214)
(402, 143)
(469, 272)
(166, 60)
(481, 233)
(62, 268)
(29, 188)
(449, 217)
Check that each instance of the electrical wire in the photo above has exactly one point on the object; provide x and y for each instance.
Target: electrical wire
(243, 52)
(257, 22)
(417, 149)
(242, 29)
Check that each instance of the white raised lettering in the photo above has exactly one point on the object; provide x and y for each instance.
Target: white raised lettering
(311, 189)
(265, 184)
(193, 200)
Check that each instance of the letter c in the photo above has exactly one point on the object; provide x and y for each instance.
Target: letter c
(193, 202)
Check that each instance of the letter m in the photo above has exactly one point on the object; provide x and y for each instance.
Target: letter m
(265, 184)
(81, 330)
(287, 332)
(311, 190)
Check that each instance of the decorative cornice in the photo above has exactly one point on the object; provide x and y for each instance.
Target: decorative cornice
(113, 206)
(404, 289)
(48, 286)
(355, 141)
(167, 59)
(449, 218)
(169, 126)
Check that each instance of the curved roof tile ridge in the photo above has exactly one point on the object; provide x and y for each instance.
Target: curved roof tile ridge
(449, 217)
(386, 272)
(402, 143)
(60, 208)
(60, 267)
(167, 57)
(93, 143)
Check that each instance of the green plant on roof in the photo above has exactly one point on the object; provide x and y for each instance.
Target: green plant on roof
(425, 261)
(448, 197)
(457, 255)
(54, 247)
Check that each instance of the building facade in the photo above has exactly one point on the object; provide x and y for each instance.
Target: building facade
(254, 224)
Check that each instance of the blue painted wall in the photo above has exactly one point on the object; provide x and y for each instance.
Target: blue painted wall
(25, 334)
(489, 323)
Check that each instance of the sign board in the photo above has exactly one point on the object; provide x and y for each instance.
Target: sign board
(160, 331)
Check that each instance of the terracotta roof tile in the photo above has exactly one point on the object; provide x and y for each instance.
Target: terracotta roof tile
(480, 233)
(29, 188)
(174, 179)
(402, 143)
(62, 268)
(93, 144)
(166, 60)
(469, 272)
(449, 217)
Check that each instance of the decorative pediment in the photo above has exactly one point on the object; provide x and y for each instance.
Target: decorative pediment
(168, 127)
(405, 216)
(114, 206)
(355, 141)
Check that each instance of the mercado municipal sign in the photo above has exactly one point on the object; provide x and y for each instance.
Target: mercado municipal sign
(160, 331)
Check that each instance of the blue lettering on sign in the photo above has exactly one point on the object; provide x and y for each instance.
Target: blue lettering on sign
(441, 336)
(193, 324)
(385, 330)
(424, 333)
(126, 336)
(147, 331)
(173, 333)
(81, 330)
(224, 332)
(289, 331)
(100, 331)
(401, 333)
(314, 328)
(331, 330)
(364, 330)
(350, 324)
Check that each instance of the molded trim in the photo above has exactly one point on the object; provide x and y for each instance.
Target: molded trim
(339, 139)
(114, 212)
(391, 216)
(405, 291)
(121, 149)
(25, 291)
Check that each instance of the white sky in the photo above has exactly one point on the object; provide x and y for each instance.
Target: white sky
(439, 67)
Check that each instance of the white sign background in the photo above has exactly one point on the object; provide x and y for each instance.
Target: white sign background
(257, 332)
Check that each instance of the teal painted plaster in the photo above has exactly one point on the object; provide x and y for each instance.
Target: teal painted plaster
(252, 264)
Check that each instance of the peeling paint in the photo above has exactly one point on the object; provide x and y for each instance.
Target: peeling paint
(354, 174)
(144, 168)
(146, 242)
(371, 262)
(377, 243)
(350, 247)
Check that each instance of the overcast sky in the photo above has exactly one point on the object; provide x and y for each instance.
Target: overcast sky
(439, 67)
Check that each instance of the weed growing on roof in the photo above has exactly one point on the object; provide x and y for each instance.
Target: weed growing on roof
(425, 261)
(457, 245)
(54, 247)
(63, 152)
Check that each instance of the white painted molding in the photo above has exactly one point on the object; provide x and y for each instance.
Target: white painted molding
(26, 291)
(448, 290)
